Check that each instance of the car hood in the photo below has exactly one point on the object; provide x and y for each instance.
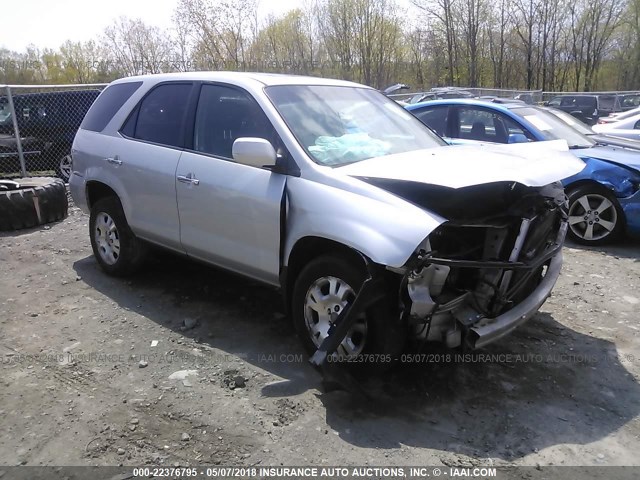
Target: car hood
(621, 156)
(530, 164)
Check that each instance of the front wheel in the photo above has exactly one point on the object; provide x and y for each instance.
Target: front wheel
(116, 248)
(595, 217)
(324, 288)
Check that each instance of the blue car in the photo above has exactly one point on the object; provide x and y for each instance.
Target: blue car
(604, 199)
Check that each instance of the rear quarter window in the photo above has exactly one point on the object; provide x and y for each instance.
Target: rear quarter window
(607, 102)
(107, 104)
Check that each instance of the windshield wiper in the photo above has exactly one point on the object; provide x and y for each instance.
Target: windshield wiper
(578, 147)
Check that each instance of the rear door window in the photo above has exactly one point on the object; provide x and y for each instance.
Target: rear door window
(586, 102)
(485, 125)
(161, 115)
(476, 124)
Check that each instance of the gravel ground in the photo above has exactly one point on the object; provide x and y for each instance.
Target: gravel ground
(184, 364)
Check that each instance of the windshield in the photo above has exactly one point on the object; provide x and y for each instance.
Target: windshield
(583, 128)
(340, 125)
(553, 127)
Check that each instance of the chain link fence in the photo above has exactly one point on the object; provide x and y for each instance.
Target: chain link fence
(37, 127)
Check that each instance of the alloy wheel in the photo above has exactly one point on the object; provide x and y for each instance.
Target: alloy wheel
(107, 238)
(326, 298)
(592, 217)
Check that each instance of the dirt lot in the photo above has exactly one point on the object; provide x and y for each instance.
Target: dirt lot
(224, 381)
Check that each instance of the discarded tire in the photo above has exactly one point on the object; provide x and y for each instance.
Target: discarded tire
(27, 202)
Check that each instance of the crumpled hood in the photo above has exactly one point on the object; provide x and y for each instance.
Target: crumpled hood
(620, 156)
(531, 164)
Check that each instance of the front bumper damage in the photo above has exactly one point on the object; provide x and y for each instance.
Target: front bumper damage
(506, 293)
(457, 319)
(472, 280)
(488, 330)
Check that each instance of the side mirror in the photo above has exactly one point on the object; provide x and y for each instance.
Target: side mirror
(517, 138)
(256, 152)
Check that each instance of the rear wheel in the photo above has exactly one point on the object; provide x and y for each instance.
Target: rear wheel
(324, 288)
(595, 217)
(116, 248)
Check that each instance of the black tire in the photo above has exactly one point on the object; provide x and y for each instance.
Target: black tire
(131, 252)
(385, 334)
(36, 201)
(591, 217)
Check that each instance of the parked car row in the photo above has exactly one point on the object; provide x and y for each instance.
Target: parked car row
(47, 122)
(590, 109)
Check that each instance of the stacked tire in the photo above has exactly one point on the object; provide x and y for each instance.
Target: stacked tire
(29, 202)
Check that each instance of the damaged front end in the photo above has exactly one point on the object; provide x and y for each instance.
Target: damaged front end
(490, 267)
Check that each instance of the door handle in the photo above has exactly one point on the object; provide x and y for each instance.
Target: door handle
(114, 160)
(189, 178)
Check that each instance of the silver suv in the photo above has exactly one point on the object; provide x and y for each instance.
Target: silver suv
(374, 231)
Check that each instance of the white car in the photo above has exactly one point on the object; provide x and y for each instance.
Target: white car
(369, 225)
(617, 116)
(628, 127)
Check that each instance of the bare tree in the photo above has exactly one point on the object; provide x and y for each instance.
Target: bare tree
(221, 31)
(594, 23)
(444, 12)
(137, 48)
(496, 38)
(286, 43)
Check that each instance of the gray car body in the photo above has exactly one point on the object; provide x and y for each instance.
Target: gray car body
(234, 217)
